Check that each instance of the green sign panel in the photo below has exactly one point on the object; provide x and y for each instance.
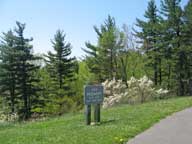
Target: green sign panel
(93, 94)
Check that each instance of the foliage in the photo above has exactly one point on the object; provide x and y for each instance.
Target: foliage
(102, 58)
(187, 40)
(165, 40)
(60, 74)
(8, 70)
(149, 36)
(54, 101)
(139, 90)
(17, 75)
(59, 65)
(135, 64)
(173, 27)
(160, 48)
(131, 60)
(84, 77)
(25, 72)
(12, 117)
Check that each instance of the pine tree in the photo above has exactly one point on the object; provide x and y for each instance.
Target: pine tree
(187, 39)
(175, 53)
(149, 34)
(8, 70)
(61, 67)
(26, 70)
(93, 61)
(104, 56)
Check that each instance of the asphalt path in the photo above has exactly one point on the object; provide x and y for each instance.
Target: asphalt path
(175, 129)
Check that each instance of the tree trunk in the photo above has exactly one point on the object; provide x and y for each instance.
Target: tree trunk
(160, 72)
(190, 87)
(111, 63)
(169, 76)
(155, 73)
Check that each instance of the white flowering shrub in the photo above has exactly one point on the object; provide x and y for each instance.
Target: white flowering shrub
(113, 87)
(8, 117)
(161, 93)
(138, 90)
(114, 91)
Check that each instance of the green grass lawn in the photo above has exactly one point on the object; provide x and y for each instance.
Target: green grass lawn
(123, 122)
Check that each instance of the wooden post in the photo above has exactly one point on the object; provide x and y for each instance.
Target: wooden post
(88, 114)
(97, 113)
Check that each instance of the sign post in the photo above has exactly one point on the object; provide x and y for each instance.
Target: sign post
(88, 114)
(97, 113)
(93, 95)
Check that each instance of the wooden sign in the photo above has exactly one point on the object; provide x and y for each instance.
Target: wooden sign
(93, 94)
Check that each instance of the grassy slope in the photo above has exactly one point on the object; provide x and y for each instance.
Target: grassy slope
(122, 121)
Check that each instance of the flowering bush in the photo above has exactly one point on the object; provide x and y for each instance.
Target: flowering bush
(8, 117)
(161, 93)
(114, 92)
(134, 91)
(140, 89)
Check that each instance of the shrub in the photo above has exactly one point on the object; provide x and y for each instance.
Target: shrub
(57, 106)
(10, 117)
(138, 91)
(161, 93)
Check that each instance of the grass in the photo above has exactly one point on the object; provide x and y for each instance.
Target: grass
(123, 122)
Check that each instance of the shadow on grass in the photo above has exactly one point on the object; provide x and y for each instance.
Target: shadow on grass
(6, 125)
(108, 122)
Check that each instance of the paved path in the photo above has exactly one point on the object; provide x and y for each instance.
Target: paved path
(175, 129)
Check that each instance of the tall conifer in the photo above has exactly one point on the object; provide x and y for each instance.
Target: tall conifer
(60, 65)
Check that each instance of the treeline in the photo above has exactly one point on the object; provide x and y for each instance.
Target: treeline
(165, 45)
(166, 37)
(29, 87)
(51, 84)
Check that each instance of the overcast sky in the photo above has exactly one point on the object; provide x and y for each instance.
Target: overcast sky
(75, 17)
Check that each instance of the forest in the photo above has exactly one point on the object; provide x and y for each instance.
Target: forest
(158, 47)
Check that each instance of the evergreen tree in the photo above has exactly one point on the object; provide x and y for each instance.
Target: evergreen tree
(93, 61)
(103, 57)
(149, 34)
(8, 70)
(61, 67)
(26, 70)
(174, 52)
(187, 40)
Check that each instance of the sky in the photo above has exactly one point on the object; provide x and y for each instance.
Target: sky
(75, 17)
